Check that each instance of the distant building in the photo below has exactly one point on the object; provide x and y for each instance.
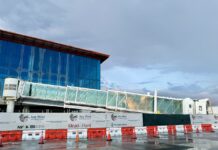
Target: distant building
(200, 106)
(42, 61)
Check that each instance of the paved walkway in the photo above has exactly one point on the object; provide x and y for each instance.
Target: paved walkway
(179, 142)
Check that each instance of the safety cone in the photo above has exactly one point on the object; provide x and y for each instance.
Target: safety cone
(77, 137)
(134, 134)
(41, 140)
(1, 143)
(109, 136)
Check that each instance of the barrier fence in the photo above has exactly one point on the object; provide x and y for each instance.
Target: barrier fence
(33, 126)
(37, 121)
(101, 133)
(165, 119)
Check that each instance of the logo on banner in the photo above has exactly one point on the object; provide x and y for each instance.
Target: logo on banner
(113, 117)
(23, 118)
(73, 117)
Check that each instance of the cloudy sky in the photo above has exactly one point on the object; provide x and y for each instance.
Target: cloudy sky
(169, 45)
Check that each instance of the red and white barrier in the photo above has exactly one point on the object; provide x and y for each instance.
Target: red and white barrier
(162, 129)
(114, 131)
(32, 135)
(140, 130)
(155, 131)
(196, 128)
(179, 128)
(71, 134)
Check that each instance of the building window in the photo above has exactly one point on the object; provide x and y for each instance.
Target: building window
(200, 108)
(190, 106)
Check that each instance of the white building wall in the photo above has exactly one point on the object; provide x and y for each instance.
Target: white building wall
(191, 106)
(201, 106)
(188, 106)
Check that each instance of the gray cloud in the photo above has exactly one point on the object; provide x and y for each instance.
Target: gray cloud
(169, 36)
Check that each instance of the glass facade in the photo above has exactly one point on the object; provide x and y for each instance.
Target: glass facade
(169, 106)
(42, 65)
(115, 100)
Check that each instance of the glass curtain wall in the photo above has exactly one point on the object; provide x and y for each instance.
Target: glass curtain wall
(47, 66)
(169, 106)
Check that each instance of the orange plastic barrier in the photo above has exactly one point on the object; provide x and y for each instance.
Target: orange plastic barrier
(55, 134)
(207, 127)
(171, 129)
(11, 136)
(152, 131)
(96, 133)
(188, 128)
(127, 131)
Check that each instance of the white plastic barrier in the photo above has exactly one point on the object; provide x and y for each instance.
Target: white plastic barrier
(115, 131)
(179, 128)
(140, 130)
(196, 127)
(33, 134)
(162, 129)
(71, 134)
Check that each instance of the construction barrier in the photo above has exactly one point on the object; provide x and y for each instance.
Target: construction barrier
(162, 129)
(152, 131)
(32, 134)
(96, 133)
(171, 129)
(207, 128)
(179, 128)
(71, 134)
(51, 134)
(114, 131)
(11, 136)
(165, 119)
(127, 131)
(188, 128)
(196, 128)
(140, 130)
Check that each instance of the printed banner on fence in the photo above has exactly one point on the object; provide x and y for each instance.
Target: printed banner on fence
(100, 120)
(204, 119)
(29, 121)
(25, 121)
(117, 120)
(79, 120)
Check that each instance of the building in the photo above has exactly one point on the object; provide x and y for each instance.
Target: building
(200, 106)
(42, 61)
(48, 62)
